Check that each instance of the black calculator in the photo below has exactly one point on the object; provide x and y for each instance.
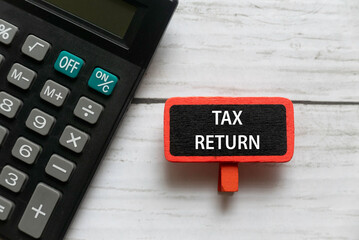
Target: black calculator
(68, 71)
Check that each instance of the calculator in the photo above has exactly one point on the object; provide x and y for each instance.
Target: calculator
(69, 70)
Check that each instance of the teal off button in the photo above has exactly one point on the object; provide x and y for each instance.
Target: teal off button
(69, 64)
(103, 81)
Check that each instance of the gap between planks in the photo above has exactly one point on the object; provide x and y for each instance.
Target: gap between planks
(298, 102)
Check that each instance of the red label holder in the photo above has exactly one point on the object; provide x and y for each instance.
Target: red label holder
(228, 131)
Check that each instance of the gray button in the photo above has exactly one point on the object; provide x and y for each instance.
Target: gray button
(40, 122)
(74, 139)
(2, 58)
(6, 207)
(39, 210)
(9, 105)
(88, 110)
(7, 32)
(35, 48)
(3, 133)
(12, 179)
(54, 93)
(59, 168)
(26, 150)
(21, 76)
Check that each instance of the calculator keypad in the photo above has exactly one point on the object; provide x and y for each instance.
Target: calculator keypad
(54, 93)
(21, 76)
(26, 151)
(40, 122)
(9, 105)
(59, 168)
(12, 179)
(74, 139)
(6, 207)
(39, 210)
(8, 32)
(35, 48)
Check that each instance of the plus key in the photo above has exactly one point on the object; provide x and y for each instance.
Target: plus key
(39, 210)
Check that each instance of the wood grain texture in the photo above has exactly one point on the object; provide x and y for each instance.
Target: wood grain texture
(302, 50)
(137, 194)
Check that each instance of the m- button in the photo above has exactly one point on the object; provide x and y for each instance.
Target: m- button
(21, 76)
(69, 64)
(54, 93)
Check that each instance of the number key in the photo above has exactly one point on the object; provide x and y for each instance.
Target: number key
(26, 150)
(40, 122)
(12, 179)
(9, 105)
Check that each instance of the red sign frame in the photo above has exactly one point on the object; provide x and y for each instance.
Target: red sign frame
(230, 101)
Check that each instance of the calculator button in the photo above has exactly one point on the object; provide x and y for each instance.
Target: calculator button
(40, 122)
(74, 139)
(26, 150)
(9, 105)
(88, 110)
(7, 32)
(102, 81)
(54, 93)
(2, 58)
(6, 207)
(35, 48)
(12, 179)
(21, 76)
(69, 64)
(59, 168)
(3, 133)
(39, 210)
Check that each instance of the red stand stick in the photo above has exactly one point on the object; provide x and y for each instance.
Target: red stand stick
(228, 177)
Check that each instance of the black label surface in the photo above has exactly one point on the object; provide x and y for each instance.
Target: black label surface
(228, 130)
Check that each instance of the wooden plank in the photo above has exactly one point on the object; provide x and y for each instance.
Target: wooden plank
(137, 194)
(302, 50)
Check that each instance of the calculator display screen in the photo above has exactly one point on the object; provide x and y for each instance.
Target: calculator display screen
(114, 16)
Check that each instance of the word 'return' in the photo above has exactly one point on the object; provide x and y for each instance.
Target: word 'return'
(227, 141)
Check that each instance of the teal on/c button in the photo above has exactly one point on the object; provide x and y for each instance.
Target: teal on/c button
(102, 81)
(69, 64)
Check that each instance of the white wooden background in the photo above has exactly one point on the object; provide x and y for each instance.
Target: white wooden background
(306, 50)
